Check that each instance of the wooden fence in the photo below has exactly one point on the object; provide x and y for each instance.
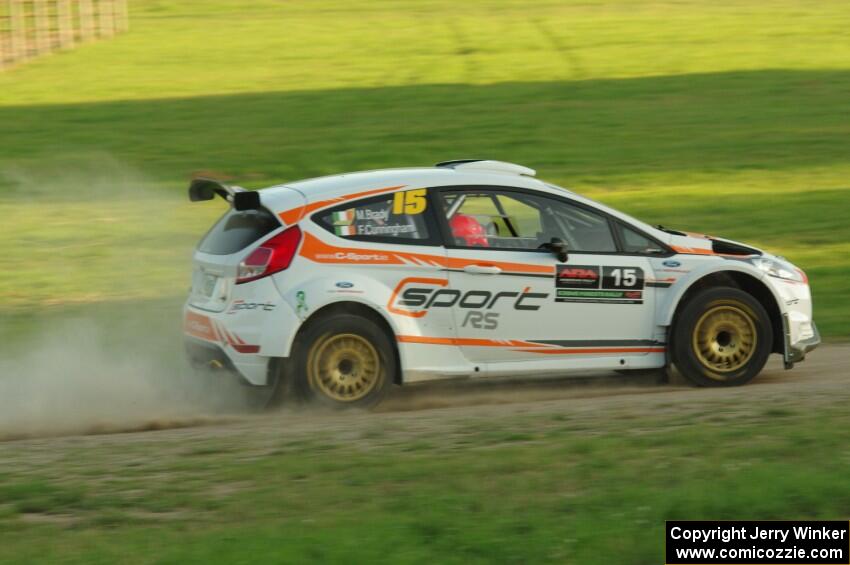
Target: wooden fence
(29, 28)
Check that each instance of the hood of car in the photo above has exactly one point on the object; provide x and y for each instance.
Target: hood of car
(686, 242)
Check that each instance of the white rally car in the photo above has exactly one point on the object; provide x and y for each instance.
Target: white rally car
(341, 286)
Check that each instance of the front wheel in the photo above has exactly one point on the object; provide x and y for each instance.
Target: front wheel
(722, 337)
(344, 361)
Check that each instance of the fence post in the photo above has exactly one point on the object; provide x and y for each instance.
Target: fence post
(5, 34)
(86, 19)
(65, 23)
(106, 18)
(17, 35)
(35, 27)
(41, 25)
(122, 20)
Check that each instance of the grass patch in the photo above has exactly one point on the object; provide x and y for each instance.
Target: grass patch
(564, 497)
(34, 496)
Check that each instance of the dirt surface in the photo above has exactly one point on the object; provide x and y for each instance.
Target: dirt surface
(825, 372)
(431, 408)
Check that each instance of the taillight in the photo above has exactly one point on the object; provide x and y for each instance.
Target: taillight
(271, 257)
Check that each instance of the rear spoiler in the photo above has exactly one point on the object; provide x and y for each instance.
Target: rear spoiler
(201, 189)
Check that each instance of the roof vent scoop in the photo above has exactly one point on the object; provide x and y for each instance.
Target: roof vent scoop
(487, 166)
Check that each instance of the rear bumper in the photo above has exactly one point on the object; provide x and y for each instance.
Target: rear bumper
(206, 355)
(256, 326)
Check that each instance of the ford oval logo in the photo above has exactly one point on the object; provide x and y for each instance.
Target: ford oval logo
(672, 264)
(344, 284)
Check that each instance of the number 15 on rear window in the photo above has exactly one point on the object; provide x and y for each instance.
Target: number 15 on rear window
(409, 202)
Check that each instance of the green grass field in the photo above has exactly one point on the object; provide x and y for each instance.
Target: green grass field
(539, 487)
(729, 119)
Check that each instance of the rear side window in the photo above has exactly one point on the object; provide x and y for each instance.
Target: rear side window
(237, 230)
(401, 217)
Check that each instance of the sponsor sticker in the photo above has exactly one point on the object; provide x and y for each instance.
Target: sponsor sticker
(301, 307)
(241, 305)
(577, 276)
(370, 215)
(352, 256)
(343, 217)
(393, 229)
(345, 230)
(599, 284)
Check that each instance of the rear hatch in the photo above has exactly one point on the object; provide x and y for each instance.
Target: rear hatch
(217, 257)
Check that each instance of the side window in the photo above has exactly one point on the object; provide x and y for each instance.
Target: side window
(518, 220)
(488, 219)
(582, 229)
(399, 217)
(633, 242)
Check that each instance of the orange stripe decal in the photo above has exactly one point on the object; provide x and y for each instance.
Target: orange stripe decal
(202, 327)
(292, 216)
(693, 251)
(465, 341)
(317, 250)
(596, 350)
(199, 326)
(525, 346)
(522, 268)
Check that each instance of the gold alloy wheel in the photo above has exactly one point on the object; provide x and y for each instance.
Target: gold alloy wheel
(725, 337)
(344, 367)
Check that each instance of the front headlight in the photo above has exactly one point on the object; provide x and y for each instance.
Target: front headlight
(779, 268)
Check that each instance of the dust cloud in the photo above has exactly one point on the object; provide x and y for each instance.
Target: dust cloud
(101, 349)
(76, 379)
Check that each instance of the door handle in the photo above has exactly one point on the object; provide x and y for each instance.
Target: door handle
(482, 269)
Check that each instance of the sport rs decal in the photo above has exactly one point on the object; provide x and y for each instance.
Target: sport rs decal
(597, 284)
(415, 296)
(294, 215)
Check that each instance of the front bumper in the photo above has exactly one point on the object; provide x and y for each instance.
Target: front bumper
(796, 351)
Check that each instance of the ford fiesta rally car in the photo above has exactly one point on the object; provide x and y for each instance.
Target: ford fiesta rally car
(341, 286)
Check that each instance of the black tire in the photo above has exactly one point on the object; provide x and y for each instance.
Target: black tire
(721, 337)
(343, 361)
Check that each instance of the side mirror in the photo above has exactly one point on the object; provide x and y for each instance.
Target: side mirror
(558, 247)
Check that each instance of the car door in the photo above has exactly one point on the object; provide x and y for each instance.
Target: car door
(519, 302)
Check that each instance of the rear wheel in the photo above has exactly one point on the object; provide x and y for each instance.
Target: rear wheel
(722, 337)
(344, 361)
